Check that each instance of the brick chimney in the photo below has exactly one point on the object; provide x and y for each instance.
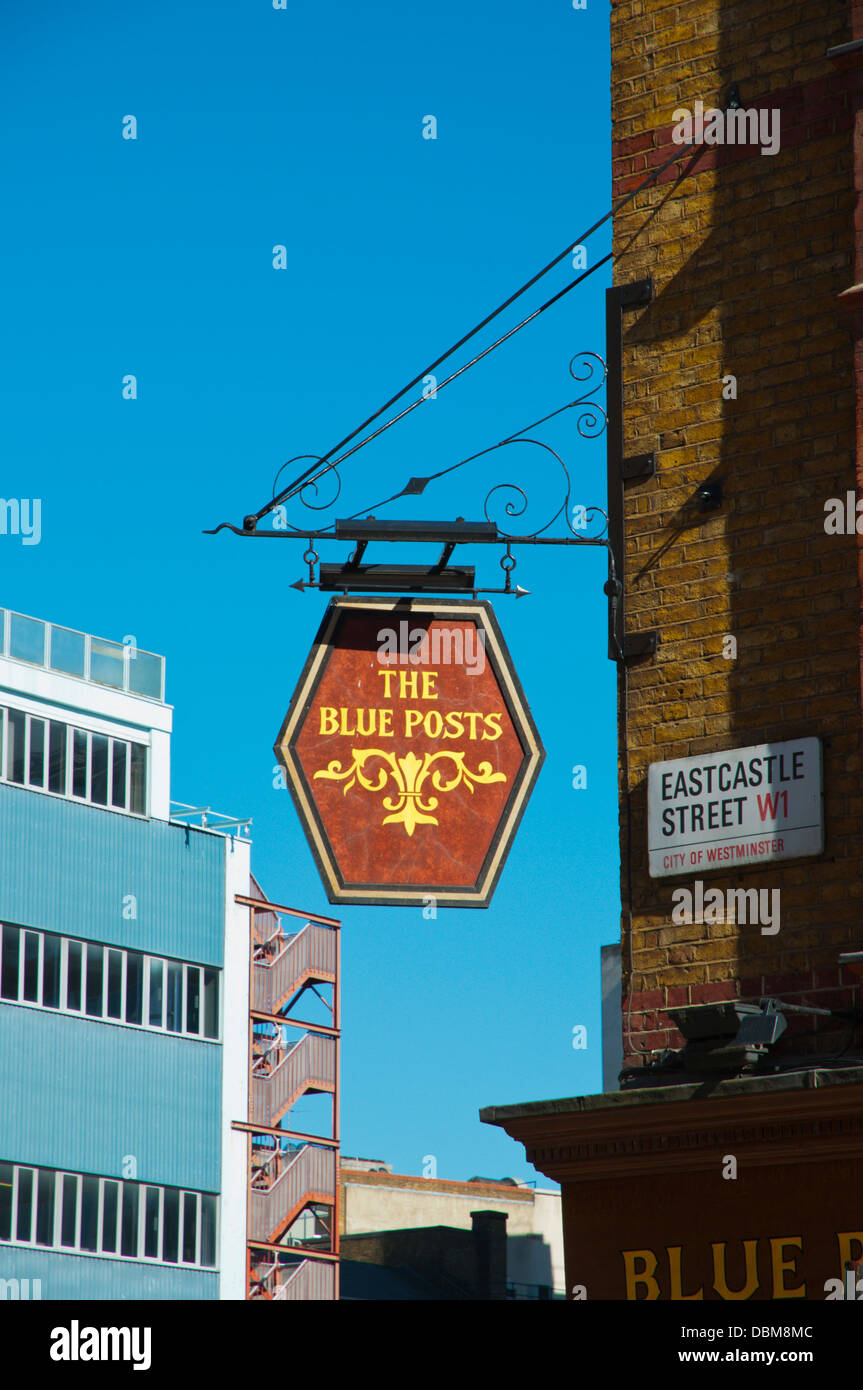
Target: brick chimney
(489, 1235)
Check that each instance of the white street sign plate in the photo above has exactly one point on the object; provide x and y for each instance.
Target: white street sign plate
(731, 809)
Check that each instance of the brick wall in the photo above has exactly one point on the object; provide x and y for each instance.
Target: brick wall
(748, 253)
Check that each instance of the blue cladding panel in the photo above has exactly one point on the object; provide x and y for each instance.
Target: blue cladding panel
(79, 1095)
(68, 868)
(81, 1276)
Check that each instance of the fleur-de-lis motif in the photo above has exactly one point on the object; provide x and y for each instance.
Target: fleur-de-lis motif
(409, 807)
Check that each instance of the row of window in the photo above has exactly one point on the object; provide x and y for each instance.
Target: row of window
(54, 757)
(131, 1220)
(81, 977)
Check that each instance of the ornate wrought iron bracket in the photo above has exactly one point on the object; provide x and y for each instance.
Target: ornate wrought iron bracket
(362, 529)
(415, 579)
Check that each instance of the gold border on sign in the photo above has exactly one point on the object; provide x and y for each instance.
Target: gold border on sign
(379, 892)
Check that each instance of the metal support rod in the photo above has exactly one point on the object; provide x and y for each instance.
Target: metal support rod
(442, 532)
(500, 539)
(276, 1132)
(258, 905)
(618, 298)
(300, 1251)
(397, 579)
(259, 1016)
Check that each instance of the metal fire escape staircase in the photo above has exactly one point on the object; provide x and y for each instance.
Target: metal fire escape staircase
(292, 1226)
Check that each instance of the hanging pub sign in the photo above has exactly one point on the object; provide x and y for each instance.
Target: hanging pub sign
(731, 809)
(410, 751)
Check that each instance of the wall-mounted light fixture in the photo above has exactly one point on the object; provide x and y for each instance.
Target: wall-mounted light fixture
(727, 1037)
(708, 497)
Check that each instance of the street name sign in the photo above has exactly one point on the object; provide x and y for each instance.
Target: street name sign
(731, 809)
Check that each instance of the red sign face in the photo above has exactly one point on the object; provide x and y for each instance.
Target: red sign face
(410, 751)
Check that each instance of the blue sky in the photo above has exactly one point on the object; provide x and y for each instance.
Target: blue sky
(154, 257)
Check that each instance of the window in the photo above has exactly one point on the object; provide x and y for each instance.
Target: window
(211, 1003)
(24, 1223)
(115, 984)
(105, 982)
(57, 758)
(151, 1223)
(104, 1216)
(69, 1213)
(6, 1178)
(131, 1203)
(190, 1228)
(31, 966)
(208, 1230)
(52, 756)
(15, 746)
(171, 1226)
(110, 1208)
(134, 987)
(45, 1208)
(174, 999)
(51, 972)
(99, 769)
(94, 980)
(138, 779)
(79, 763)
(36, 777)
(119, 789)
(90, 1214)
(73, 975)
(156, 1019)
(11, 939)
(193, 999)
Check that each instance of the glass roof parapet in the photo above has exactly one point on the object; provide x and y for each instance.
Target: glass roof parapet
(117, 665)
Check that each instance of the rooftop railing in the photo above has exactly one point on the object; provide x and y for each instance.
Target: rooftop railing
(208, 819)
(117, 665)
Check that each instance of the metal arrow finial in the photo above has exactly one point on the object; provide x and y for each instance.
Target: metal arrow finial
(520, 592)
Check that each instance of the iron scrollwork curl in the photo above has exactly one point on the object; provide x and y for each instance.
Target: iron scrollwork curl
(586, 367)
(513, 508)
(590, 424)
(592, 421)
(331, 470)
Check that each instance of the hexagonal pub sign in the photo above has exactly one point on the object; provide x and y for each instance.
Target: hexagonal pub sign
(410, 751)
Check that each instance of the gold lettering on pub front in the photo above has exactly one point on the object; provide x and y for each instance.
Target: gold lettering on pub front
(646, 1280)
(377, 722)
(412, 803)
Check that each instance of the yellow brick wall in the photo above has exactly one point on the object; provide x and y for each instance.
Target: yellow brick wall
(747, 260)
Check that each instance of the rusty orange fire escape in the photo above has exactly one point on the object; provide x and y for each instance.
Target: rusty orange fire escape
(291, 1224)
